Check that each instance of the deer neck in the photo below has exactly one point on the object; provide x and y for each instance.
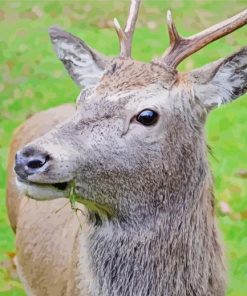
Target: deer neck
(175, 251)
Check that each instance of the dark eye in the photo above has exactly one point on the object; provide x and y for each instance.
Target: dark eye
(147, 117)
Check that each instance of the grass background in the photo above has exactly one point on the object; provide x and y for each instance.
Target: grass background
(32, 79)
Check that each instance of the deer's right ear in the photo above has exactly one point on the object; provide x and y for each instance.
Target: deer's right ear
(84, 65)
(222, 81)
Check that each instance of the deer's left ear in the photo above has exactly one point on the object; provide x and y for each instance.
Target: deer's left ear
(84, 64)
(222, 81)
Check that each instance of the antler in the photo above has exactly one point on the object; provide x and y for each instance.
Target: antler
(125, 36)
(181, 47)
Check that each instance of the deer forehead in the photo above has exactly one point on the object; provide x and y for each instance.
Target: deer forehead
(127, 75)
(152, 96)
(128, 84)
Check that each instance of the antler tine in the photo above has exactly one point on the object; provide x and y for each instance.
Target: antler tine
(125, 36)
(181, 47)
(173, 33)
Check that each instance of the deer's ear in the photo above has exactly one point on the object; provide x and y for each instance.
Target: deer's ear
(222, 81)
(83, 64)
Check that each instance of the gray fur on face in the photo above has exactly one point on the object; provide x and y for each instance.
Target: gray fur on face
(159, 190)
(162, 238)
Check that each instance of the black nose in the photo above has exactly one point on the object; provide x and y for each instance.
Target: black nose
(29, 161)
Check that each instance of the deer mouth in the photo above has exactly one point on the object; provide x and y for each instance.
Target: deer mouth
(43, 191)
(60, 186)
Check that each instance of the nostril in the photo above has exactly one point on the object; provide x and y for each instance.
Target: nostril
(31, 161)
(37, 163)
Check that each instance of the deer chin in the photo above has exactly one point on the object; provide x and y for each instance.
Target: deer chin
(43, 191)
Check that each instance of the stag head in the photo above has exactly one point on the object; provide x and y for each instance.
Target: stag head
(136, 140)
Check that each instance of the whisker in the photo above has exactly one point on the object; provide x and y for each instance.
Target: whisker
(62, 207)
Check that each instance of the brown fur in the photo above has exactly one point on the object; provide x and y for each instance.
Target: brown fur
(127, 74)
(159, 236)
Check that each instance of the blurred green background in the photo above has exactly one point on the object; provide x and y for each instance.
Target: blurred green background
(32, 79)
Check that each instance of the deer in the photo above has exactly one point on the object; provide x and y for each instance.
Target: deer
(133, 154)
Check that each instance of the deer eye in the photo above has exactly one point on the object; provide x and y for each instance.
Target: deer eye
(147, 117)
